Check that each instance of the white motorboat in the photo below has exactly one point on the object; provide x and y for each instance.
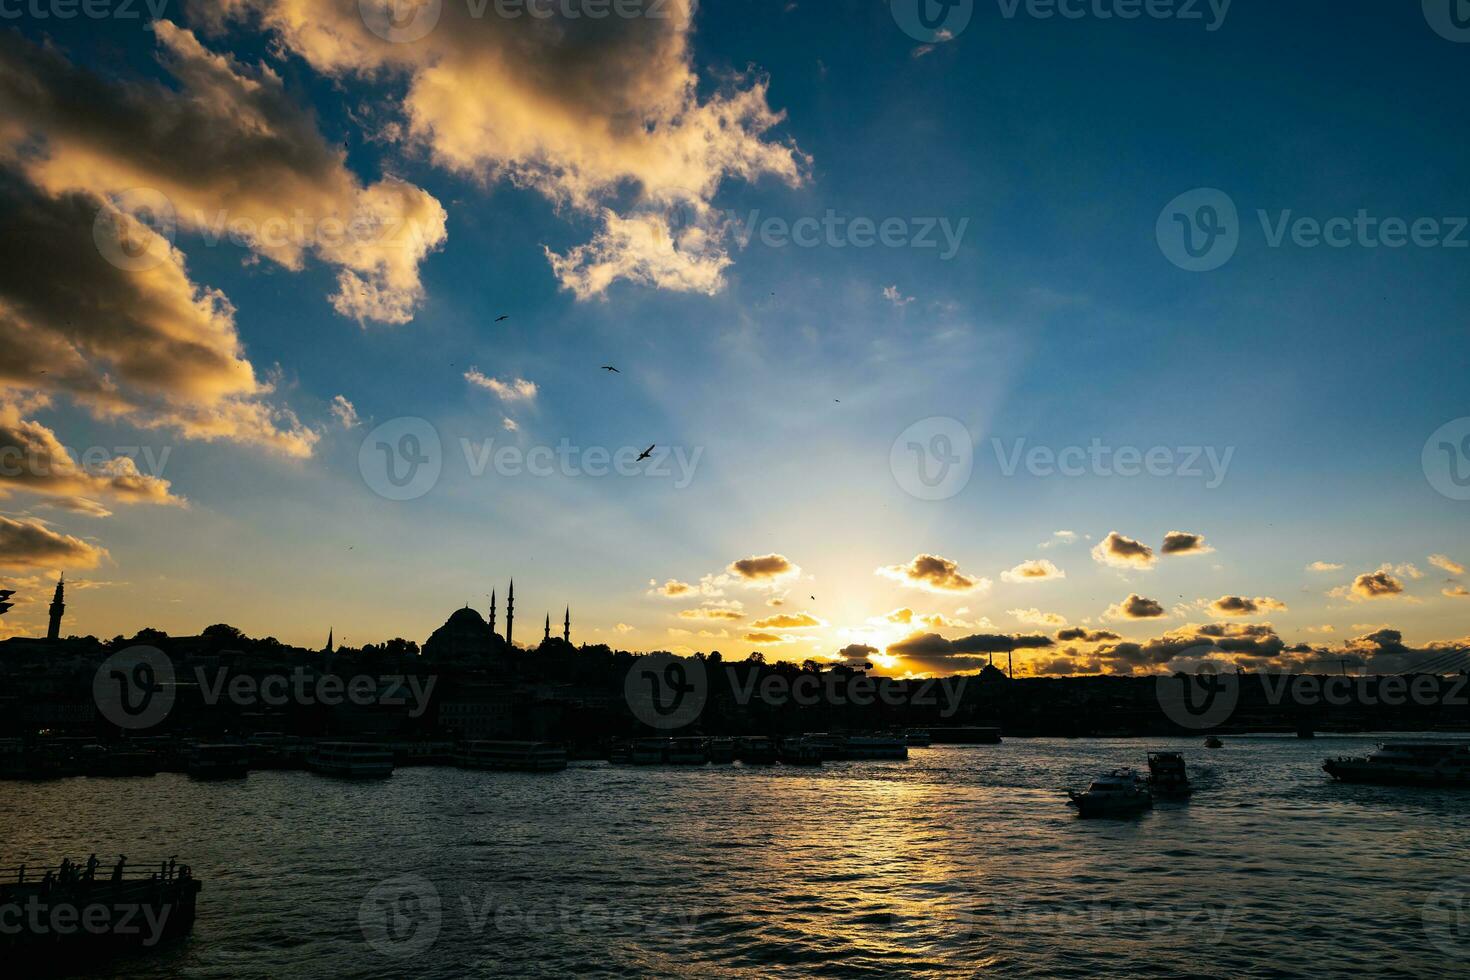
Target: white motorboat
(1117, 793)
(1407, 764)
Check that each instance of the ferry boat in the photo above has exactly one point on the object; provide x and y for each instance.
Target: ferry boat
(688, 751)
(1166, 774)
(831, 748)
(876, 747)
(1117, 793)
(918, 740)
(219, 762)
(511, 756)
(356, 760)
(1407, 764)
(756, 750)
(800, 752)
(648, 751)
(721, 750)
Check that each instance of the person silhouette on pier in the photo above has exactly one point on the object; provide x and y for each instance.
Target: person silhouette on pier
(64, 875)
(91, 872)
(117, 869)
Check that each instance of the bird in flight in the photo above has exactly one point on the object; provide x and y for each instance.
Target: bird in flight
(609, 367)
(645, 454)
(503, 316)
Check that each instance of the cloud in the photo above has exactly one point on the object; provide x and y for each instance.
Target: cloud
(1381, 584)
(1447, 563)
(792, 621)
(672, 589)
(605, 117)
(623, 628)
(1185, 543)
(763, 569)
(893, 296)
(1035, 617)
(1120, 551)
(77, 505)
(715, 612)
(766, 638)
(1234, 605)
(1135, 607)
(515, 390)
(932, 653)
(1038, 570)
(1078, 634)
(344, 412)
(1455, 592)
(510, 425)
(1324, 566)
(1192, 642)
(857, 652)
(232, 155)
(1059, 538)
(933, 574)
(31, 544)
(32, 459)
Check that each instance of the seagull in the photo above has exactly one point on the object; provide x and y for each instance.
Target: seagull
(645, 454)
(609, 367)
(503, 316)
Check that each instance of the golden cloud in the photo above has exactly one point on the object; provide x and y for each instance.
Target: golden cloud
(1120, 551)
(31, 544)
(933, 574)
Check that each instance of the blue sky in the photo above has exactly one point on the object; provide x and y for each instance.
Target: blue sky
(1059, 320)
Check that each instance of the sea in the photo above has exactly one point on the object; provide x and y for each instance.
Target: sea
(962, 861)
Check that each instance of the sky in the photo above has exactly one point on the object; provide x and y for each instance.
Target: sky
(1116, 341)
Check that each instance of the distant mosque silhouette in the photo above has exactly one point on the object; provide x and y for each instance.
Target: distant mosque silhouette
(465, 636)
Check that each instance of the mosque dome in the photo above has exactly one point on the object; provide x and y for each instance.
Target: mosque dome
(464, 636)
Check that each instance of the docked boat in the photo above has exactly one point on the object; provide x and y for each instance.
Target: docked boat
(1167, 775)
(510, 756)
(721, 750)
(876, 747)
(219, 762)
(688, 751)
(1213, 743)
(620, 752)
(918, 740)
(800, 752)
(100, 761)
(649, 751)
(1115, 794)
(1407, 764)
(755, 750)
(354, 760)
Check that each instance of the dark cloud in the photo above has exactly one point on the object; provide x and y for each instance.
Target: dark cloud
(1377, 585)
(1077, 633)
(934, 573)
(31, 544)
(1185, 543)
(1121, 551)
(1136, 607)
(932, 653)
(763, 568)
(1235, 605)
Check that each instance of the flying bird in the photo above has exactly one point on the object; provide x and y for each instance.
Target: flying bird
(645, 454)
(503, 316)
(609, 367)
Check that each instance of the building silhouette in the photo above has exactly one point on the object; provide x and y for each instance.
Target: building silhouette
(58, 607)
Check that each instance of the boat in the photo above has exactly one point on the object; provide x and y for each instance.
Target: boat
(130, 909)
(876, 747)
(832, 748)
(510, 756)
(99, 761)
(1406, 764)
(649, 751)
(1166, 774)
(800, 752)
(620, 752)
(354, 760)
(721, 750)
(755, 750)
(965, 735)
(1213, 743)
(1117, 793)
(918, 740)
(688, 751)
(219, 762)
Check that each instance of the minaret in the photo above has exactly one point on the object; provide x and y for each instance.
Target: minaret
(58, 606)
(510, 613)
(492, 612)
(548, 627)
(566, 627)
(330, 646)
